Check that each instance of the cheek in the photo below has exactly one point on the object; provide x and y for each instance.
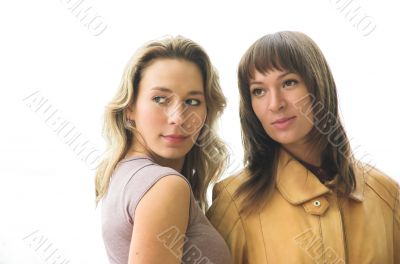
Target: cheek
(305, 112)
(149, 116)
(259, 107)
(301, 101)
(195, 120)
(305, 115)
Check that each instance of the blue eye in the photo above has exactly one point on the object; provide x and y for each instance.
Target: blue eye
(159, 99)
(192, 102)
(258, 92)
(290, 83)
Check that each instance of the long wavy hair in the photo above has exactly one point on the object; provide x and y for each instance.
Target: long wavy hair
(298, 53)
(206, 161)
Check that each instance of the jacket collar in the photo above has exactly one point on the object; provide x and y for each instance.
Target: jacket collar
(299, 185)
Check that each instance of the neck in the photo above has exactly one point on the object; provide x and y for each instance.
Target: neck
(305, 153)
(176, 164)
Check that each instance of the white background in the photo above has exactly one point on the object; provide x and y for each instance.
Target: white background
(47, 191)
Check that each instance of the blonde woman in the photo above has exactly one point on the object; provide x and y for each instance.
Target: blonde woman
(302, 197)
(162, 157)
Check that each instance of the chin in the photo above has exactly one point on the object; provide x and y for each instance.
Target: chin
(174, 154)
(285, 140)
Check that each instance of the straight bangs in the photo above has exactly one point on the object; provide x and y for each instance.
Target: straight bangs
(274, 52)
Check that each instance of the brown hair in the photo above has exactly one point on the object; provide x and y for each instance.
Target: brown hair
(298, 53)
(201, 167)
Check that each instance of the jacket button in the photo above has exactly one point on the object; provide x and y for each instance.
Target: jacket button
(317, 203)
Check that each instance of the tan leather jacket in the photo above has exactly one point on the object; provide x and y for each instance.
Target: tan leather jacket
(306, 222)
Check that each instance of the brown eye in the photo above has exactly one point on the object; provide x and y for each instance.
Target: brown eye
(290, 83)
(258, 92)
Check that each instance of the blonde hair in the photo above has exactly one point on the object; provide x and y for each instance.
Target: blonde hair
(206, 161)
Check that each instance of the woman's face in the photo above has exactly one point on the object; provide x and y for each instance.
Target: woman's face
(281, 102)
(170, 108)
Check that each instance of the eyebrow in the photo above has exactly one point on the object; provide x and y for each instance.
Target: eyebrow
(279, 77)
(167, 90)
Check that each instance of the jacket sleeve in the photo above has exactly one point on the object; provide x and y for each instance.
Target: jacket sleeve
(225, 217)
(396, 223)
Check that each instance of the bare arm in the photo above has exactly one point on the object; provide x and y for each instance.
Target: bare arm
(161, 218)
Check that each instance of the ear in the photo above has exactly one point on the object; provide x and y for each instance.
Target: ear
(130, 113)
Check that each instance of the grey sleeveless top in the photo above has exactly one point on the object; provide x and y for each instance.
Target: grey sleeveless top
(132, 178)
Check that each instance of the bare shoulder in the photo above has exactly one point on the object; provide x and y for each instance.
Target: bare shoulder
(166, 205)
(172, 182)
(169, 189)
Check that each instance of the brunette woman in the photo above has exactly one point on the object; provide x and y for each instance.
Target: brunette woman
(302, 197)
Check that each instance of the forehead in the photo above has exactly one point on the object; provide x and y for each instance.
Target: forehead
(172, 77)
(172, 73)
(267, 75)
(167, 67)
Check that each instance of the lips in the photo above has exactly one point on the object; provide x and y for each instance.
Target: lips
(283, 120)
(283, 123)
(174, 138)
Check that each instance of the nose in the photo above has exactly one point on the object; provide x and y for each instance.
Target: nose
(176, 114)
(277, 102)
